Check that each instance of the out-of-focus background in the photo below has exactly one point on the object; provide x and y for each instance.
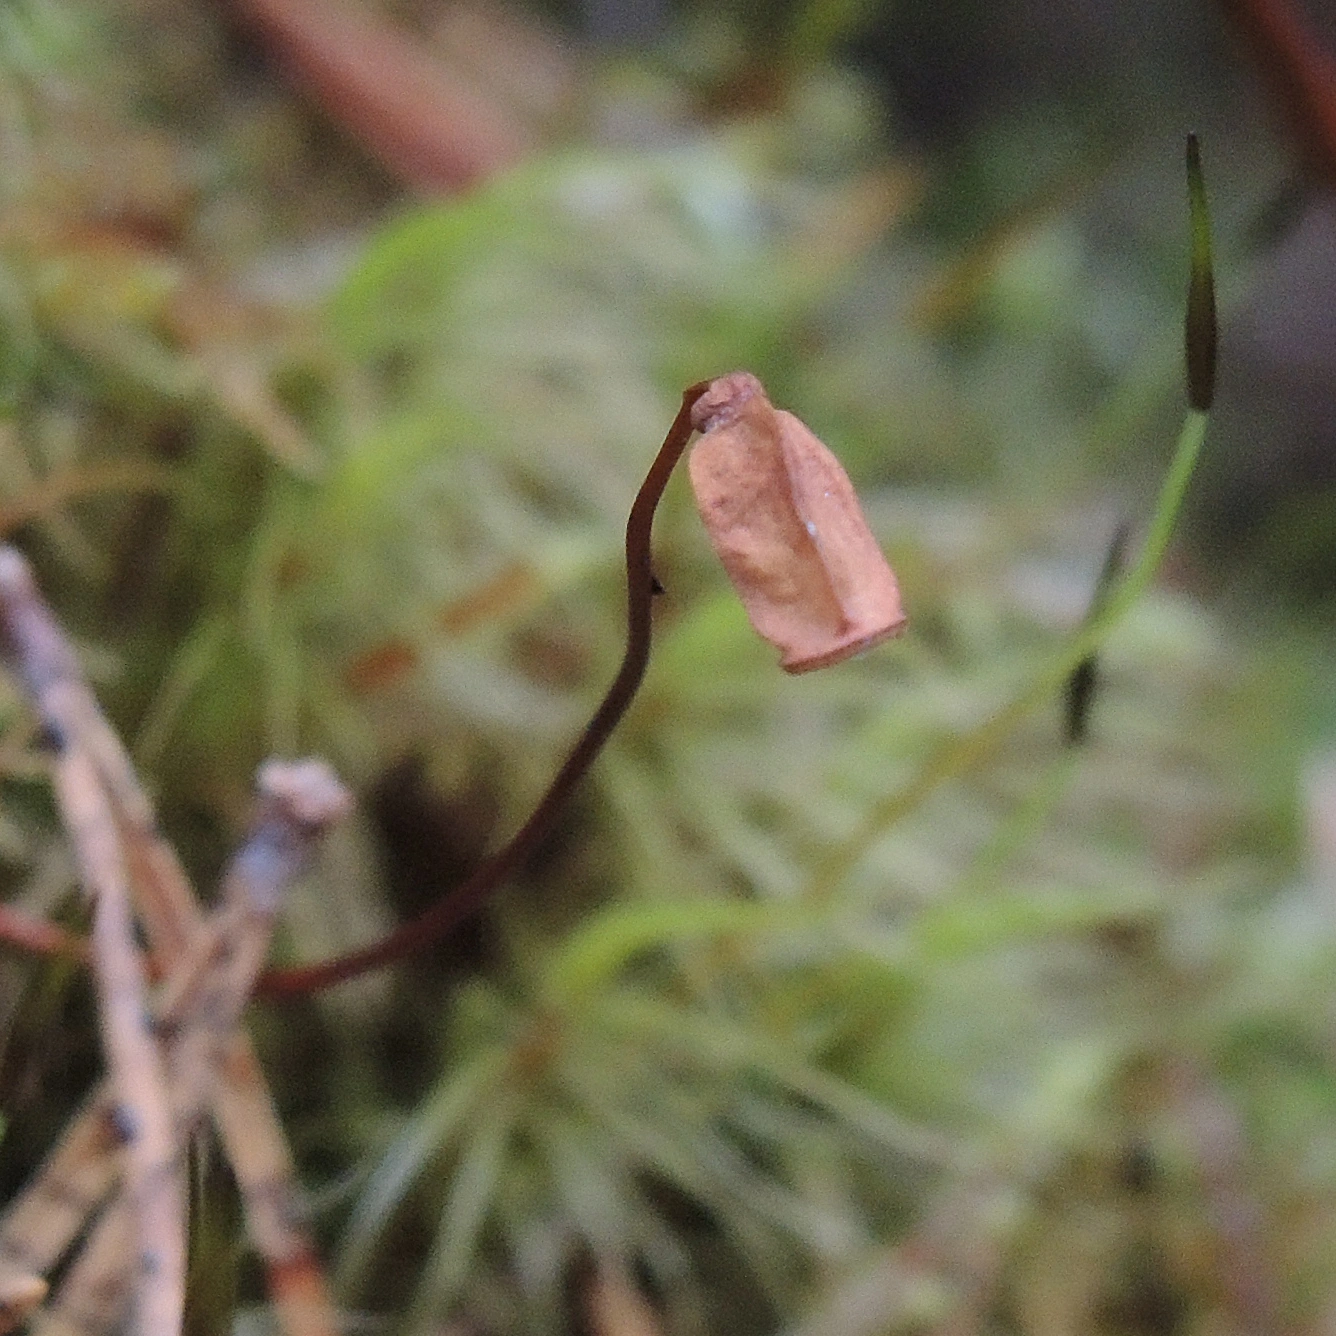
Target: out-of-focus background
(335, 338)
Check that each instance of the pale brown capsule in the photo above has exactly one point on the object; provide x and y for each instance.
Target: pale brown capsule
(784, 519)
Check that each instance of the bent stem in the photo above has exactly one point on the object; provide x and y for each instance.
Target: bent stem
(962, 754)
(434, 923)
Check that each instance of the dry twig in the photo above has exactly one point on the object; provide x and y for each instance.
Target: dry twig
(202, 1002)
(80, 1172)
(155, 1182)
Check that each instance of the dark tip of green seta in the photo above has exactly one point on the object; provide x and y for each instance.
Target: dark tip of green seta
(1200, 325)
(1083, 684)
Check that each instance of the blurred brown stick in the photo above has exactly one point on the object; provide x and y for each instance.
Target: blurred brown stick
(155, 1182)
(1301, 71)
(415, 115)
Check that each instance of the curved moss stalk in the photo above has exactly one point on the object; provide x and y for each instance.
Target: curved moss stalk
(641, 586)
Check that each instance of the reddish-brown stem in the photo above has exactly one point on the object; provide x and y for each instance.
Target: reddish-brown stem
(467, 898)
(42, 938)
(1301, 70)
(421, 121)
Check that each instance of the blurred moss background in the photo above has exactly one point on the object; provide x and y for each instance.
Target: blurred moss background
(320, 414)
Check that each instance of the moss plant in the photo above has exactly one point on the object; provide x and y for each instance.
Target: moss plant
(849, 1003)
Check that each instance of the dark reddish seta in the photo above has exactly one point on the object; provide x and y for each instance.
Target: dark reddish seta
(784, 519)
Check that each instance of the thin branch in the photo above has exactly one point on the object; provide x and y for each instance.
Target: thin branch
(46, 663)
(467, 898)
(92, 1298)
(155, 1181)
(261, 1160)
(201, 1005)
(72, 1182)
